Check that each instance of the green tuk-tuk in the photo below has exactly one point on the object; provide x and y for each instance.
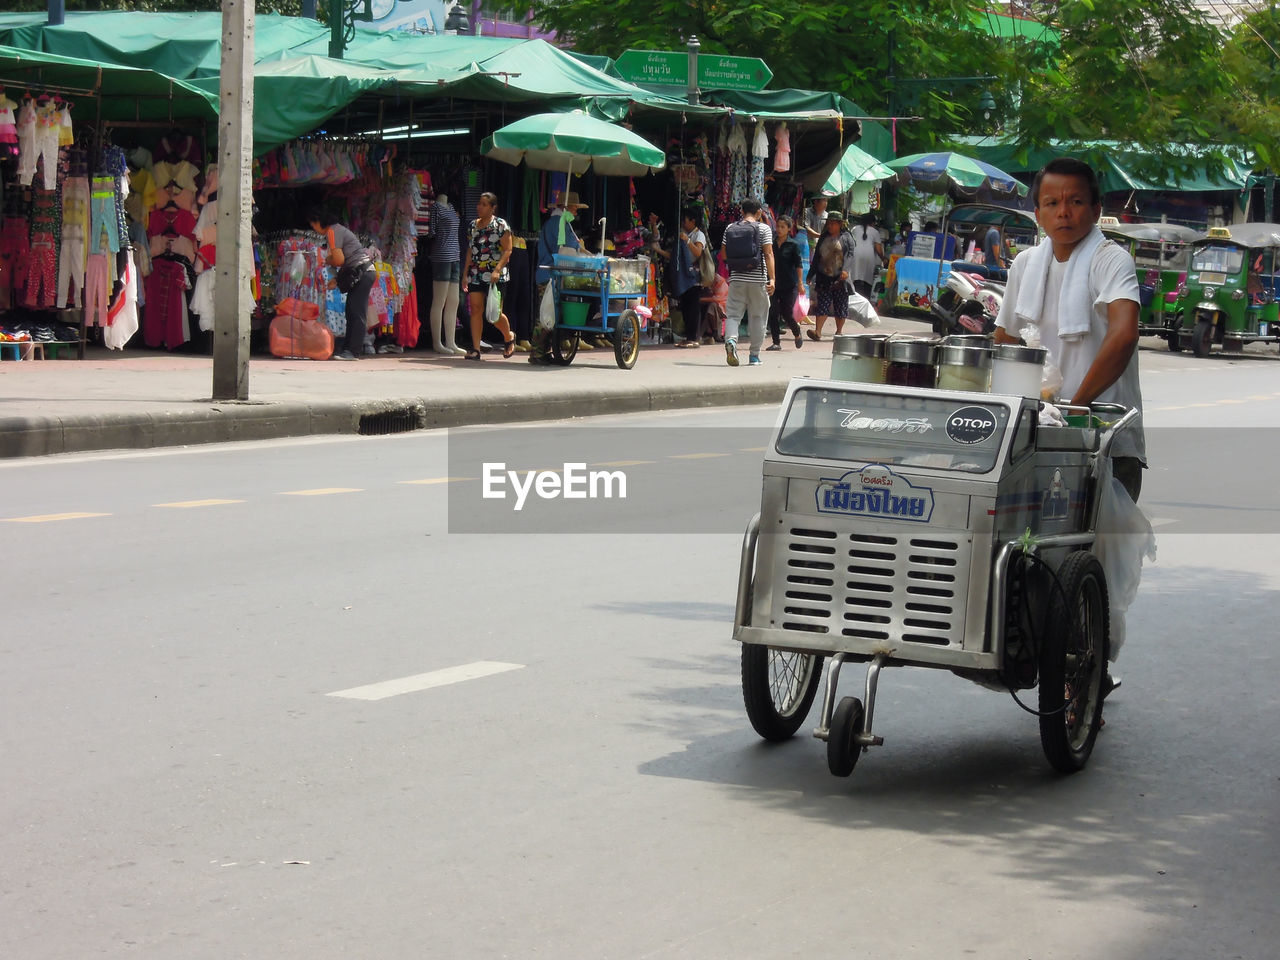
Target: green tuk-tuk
(1161, 252)
(1231, 289)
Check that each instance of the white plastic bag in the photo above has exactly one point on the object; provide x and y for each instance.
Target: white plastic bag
(1124, 538)
(547, 310)
(493, 304)
(860, 309)
(1051, 376)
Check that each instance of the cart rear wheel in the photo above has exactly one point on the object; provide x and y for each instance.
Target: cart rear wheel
(1073, 663)
(846, 723)
(778, 689)
(626, 339)
(564, 346)
(1202, 338)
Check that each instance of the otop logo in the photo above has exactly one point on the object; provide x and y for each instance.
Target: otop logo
(970, 425)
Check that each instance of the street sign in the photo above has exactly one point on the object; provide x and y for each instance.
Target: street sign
(660, 67)
(715, 72)
(732, 73)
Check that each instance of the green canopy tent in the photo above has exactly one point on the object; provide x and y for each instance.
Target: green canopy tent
(855, 166)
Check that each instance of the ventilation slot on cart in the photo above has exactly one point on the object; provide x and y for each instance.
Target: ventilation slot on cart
(933, 608)
(808, 598)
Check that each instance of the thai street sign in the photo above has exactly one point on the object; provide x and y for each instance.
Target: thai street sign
(732, 73)
(715, 72)
(661, 67)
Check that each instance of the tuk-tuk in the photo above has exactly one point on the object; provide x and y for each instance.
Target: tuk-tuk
(1161, 252)
(917, 281)
(1231, 289)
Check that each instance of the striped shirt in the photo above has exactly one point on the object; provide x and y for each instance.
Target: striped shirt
(444, 246)
(761, 273)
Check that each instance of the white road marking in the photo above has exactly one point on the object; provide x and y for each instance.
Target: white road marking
(196, 503)
(1162, 521)
(623, 463)
(425, 681)
(696, 456)
(320, 491)
(50, 517)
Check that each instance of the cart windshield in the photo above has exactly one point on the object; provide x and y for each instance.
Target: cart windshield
(825, 423)
(1226, 260)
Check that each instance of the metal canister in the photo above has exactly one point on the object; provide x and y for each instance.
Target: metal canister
(963, 367)
(967, 340)
(1017, 370)
(911, 363)
(858, 358)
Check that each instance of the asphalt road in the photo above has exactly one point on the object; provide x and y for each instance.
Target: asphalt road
(564, 768)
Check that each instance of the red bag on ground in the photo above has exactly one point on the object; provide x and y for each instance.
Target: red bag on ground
(294, 337)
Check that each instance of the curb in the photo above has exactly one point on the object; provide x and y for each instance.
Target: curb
(227, 422)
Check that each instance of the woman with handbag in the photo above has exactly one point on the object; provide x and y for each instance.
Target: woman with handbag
(694, 243)
(355, 277)
(485, 273)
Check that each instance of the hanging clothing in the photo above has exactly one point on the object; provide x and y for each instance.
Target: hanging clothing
(165, 321)
(97, 288)
(759, 152)
(782, 148)
(122, 317)
(103, 233)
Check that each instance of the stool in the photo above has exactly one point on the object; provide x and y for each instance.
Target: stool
(37, 349)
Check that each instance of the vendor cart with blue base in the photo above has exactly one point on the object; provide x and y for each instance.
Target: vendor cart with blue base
(597, 295)
(907, 526)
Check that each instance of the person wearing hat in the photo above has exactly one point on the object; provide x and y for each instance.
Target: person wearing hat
(556, 236)
(829, 271)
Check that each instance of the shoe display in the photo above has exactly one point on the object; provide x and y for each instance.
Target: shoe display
(524, 346)
(585, 344)
(731, 352)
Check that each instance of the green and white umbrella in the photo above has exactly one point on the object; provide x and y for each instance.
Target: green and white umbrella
(856, 166)
(573, 142)
(955, 174)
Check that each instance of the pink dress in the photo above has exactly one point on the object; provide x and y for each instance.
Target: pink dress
(8, 128)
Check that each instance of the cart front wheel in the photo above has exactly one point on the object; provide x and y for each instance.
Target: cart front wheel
(1073, 663)
(1202, 338)
(564, 346)
(778, 689)
(846, 723)
(626, 339)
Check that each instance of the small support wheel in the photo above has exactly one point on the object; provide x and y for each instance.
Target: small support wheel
(1202, 338)
(626, 339)
(778, 688)
(564, 346)
(846, 723)
(1073, 663)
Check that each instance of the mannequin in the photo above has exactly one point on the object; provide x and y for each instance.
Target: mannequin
(445, 257)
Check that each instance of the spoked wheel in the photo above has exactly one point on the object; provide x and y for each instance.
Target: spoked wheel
(564, 346)
(846, 723)
(1073, 663)
(1202, 338)
(778, 689)
(626, 339)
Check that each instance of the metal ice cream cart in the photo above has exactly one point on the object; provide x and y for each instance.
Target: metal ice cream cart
(905, 526)
(596, 295)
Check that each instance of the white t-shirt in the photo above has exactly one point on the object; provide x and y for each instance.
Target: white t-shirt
(865, 260)
(1112, 277)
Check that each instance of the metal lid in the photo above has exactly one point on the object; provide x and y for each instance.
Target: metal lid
(859, 345)
(1020, 354)
(967, 340)
(912, 351)
(959, 355)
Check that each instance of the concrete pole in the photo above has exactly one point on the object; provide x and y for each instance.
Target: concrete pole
(232, 301)
(692, 93)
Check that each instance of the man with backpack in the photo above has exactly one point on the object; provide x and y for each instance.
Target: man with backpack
(748, 252)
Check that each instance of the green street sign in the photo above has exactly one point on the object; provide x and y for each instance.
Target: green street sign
(732, 73)
(660, 67)
(715, 72)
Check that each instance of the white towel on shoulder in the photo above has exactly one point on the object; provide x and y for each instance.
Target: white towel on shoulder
(1075, 309)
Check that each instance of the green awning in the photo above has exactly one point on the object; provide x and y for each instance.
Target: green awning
(1021, 28)
(124, 93)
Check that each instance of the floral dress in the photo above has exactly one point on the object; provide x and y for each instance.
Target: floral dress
(486, 250)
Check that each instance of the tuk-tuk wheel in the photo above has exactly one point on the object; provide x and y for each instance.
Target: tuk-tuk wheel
(1202, 338)
(626, 339)
(1073, 662)
(846, 723)
(564, 346)
(778, 688)
(1174, 337)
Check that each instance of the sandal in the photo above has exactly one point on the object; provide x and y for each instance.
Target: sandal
(473, 355)
(509, 347)
(812, 335)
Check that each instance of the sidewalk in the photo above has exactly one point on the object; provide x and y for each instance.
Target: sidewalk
(139, 399)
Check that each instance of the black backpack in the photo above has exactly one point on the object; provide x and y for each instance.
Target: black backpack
(742, 246)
